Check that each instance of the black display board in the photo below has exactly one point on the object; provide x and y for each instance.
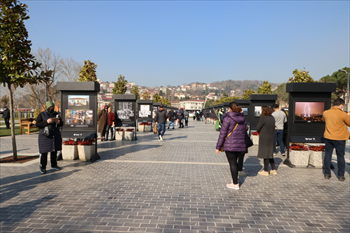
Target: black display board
(125, 109)
(79, 109)
(145, 109)
(245, 105)
(256, 102)
(155, 107)
(226, 106)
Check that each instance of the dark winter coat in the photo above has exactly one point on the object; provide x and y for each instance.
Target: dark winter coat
(102, 119)
(6, 113)
(161, 116)
(172, 116)
(236, 141)
(266, 129)
(54, 141)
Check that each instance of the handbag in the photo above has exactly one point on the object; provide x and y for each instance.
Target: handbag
(155, 130)
(47, 130)
(222, 147)
(248, 141)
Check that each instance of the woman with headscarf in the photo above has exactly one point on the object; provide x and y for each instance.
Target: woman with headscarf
(53, 141)
(102, 122)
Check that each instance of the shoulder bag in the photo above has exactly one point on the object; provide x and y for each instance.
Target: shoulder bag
(222, 148)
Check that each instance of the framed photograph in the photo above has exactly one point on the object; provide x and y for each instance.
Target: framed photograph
(245, 111)
(257, 111)
(80, 102)
(125, 111)
(309, 112)
(145, 111)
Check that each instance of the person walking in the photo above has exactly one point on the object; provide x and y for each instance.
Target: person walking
(6, 116)
(186, 115)
(172, 117)
(102, 122)
(52, 142)
(181, 117)
(266, 129)
(336, 133)
(110, 124)
(161, 117)
(206, 116)
(280, 119)
(232, 139)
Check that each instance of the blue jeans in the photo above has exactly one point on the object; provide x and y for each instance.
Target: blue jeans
(339, 146)
(171, 122)
(278, 136)
(161, 129)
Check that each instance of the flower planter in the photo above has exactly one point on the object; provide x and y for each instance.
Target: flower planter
(86, 152)
(299, 158)
(119, 135)
(129, 135)
(316, 158)
(141, 128)
(148, 128)
(69, 152)
(255, 139)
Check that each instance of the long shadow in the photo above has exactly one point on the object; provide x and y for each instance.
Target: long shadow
(174, 138)
(12, 190)
(15, 213)
(105, 155)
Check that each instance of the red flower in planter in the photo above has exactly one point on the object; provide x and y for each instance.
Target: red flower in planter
(85, 142)
(255, 133)
(143, 124)
(129, 129)
(69, 142)
(149, 124)
(119, 129)
(298, 147)
(317, 148)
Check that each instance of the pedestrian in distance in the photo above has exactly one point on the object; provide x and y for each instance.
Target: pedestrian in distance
(280, 119)
(266, 129)
(6, 116)
(172, 118)
(206, 116)
(102, 122)
(110, 124)
(186, 116)
(181, 117)
(336, 133)
(232, 140)
(161, 117)
(52, 142)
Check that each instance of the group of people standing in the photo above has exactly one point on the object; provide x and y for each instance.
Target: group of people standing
(106, 119)
(271, 127)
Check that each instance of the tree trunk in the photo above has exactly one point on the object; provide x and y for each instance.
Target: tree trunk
(12, 118)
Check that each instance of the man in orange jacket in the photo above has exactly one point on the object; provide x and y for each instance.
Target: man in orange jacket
(336, 134)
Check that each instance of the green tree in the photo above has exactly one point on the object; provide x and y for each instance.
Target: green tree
(120, 85)
(156, 98)
(18, 66)
(340, 78)
(301, 76)
(88, 72)
(164, 100)
(282, 94)
(4, 100)
(135, 91)
(146, 95)
(247, 93)
(265, 88)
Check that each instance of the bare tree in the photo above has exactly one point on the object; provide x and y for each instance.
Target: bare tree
(70, 69)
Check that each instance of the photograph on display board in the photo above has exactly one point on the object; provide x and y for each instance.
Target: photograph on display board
(145, 111)
(78, 102)
(79, 118)
(155, 109)
(309, 111)
(257, 111)
(125, 111)
(245, 111)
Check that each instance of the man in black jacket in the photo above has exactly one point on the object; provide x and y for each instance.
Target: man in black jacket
(172, 117)
(161, 117)
(6, 116)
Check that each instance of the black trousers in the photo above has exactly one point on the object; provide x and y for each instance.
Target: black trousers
(232, 158)
(186, 122)
(43, 159)
(109, 128)
(7, 123)
(266, 164)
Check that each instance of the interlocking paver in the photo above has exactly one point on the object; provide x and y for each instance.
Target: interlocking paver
(177, 185)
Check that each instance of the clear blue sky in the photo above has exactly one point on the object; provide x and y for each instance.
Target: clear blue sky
(177, 42)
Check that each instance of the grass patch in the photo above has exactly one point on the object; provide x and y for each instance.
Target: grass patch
(7, 132)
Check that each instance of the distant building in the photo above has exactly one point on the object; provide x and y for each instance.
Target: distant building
(193, 104)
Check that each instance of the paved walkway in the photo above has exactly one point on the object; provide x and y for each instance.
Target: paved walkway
(177, 185)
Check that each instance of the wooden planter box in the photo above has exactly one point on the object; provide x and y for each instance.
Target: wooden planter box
(129, 135)
(316, 158)
(86, 152)
(119, 135)
(299, 158)
(255, 139)
(69, 152)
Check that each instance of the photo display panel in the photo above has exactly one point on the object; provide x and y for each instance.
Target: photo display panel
(245, 111)
(257, 111)
(309, 112)
(145, 111)
(78, 111)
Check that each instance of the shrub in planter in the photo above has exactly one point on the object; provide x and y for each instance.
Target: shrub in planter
(119, 134)
(129, 134)
(299, 155)
(316, 156)
(86, 149)
(69, 150)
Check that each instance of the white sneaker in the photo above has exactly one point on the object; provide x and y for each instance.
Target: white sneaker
(161, 137)
(274, 154)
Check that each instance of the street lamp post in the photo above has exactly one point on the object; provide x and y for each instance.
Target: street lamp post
(347, 90)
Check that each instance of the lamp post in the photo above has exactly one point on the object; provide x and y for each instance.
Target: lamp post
(347, 90)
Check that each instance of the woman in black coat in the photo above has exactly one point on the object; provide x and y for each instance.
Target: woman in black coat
(266, 129)
(53, 142)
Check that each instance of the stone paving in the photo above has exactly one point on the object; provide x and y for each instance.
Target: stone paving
(176, 185)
